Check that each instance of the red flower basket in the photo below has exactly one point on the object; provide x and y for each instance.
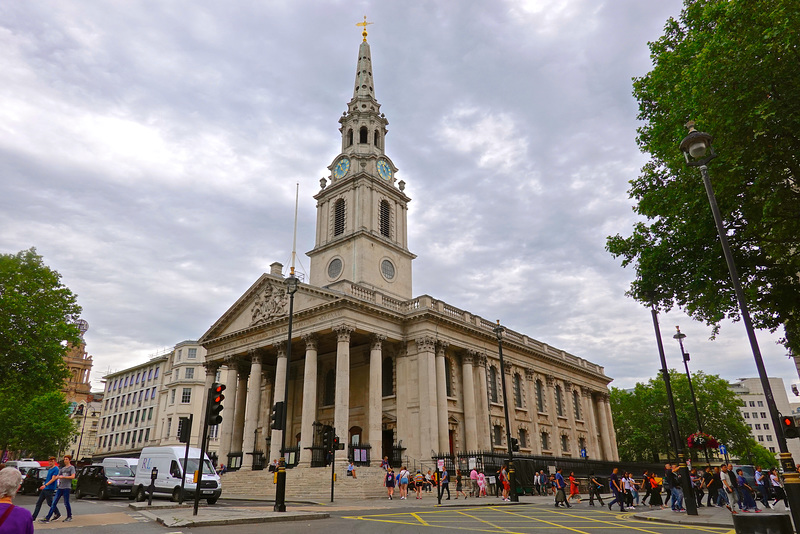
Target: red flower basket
(701, 441)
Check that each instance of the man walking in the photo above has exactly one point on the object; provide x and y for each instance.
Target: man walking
(561, 497)
(616, 489)
(445, 481)
(666, 483)
(64, 477)
(676, 490)
(594, 490)
(47, 490)
(763, 488)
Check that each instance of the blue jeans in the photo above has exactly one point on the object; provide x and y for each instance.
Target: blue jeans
(722, 497)
(618, 498)
(60, 493)
(45, 494)
(677, 498)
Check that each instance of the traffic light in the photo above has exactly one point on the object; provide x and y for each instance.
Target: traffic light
(277, 416)
(515, 444)
(336, 445)
(327, 438)
(789, 427)
(215, 398)
(185, 430)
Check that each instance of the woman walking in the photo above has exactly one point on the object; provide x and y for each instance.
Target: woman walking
(419, 483)
(574, 489)
(459, 486)
(388, 481)
(403, 476)
(746, 493)
(777, 487)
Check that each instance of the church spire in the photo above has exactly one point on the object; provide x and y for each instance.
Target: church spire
(363, 87)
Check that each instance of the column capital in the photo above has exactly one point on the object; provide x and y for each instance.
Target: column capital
(507, 367)
(255, 356)
(551, 380)
(280, 346)
(311, 340)
(468, 357)
(441, 347)
(481, 359)
(230, 360)
(376, 341)
(211, 367)
(529, 373)
(343, 332)
(567, 385)
(586, 392)
(605, 397)
(425, 344)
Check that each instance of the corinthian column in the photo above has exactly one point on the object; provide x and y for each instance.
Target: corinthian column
(426, 373)
(484, 432)
(470, 423)
(608, 452)
(375, 412)
(278, 394)
(588, 416)
(309, 399)
(241, 402)
(341, 412)
(251, 410)
(612, 436)
(441, 398)
(229, 414)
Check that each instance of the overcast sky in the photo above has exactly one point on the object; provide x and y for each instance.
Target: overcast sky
(150, 151)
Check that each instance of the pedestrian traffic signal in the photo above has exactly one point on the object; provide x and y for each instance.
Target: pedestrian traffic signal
(789, 427)
(215, 398)
(277, 416)
(515, 444)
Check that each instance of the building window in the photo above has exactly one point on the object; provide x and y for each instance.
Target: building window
(576, 403)
(523, 438)
(338, 217)
(772, 449)
(178, 355)
(769, 437)
(186, 396)
(126, 382)
(329, 393)
(766, 426)
(172, 396)
(559, 402)
(192, 353)
(385, 218)
(760, 438)
(493, 383)
(350, 137)
(758, 427)
(137, 377)
(177, 375)
(387, 377)
(752, 404)
(363, 135)
(498, 435)
(376, 139)
(213, 432)
(150, 375)
(760, 404)
(156, 373)
(189, 372)
(564, 443)
(125, 419)
(582, 444)
(545, 441)
(517, 385)
(539, 396)
(755, 415)
(746, 415)
(763, 415)
(150, 414)
(448, 377)
(169, 426)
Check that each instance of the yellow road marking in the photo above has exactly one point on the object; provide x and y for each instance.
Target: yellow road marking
(418, 518)
(486, 522)
(509, 512)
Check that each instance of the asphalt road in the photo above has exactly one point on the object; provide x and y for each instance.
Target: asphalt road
(114, 517)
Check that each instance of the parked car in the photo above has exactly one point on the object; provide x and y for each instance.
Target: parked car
(128, 462)
(34, 479)
(104, 481)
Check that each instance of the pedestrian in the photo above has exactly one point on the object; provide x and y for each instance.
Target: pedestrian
(428, 481)
(389, 482)
(746, 492)
(13, 519)
(473, 482)
(655, 491)
(459, 487)
(482, 485)
(646, 486)
(777, 487)
(725, 487)
(537, 483)
(445, 481)
(627, 485)
(64, 477)
(47, 490)
(419, 483)
(762, 483)
(594, 490)
(574, 489)
(676, 490)
(351, 470)
(666, 483)
(385, 463)
(403, 475)
(709, 482)
(734, 486)
(616, 489)
(543, 482)
(697, 484)
(561, 497)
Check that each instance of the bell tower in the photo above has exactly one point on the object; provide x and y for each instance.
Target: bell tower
(362, 234)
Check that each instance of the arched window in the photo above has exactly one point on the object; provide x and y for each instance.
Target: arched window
(355, 435)
(376, 139)
(582, 444)
(539, 396)
(517, 390)
(338, 217)
(385, 218)
(387, 376)
(523, 438)
(498, 435)
(576, 403)
(493, 384)
(564, 443)
(545, 441)
(559, 402)
(448, 377)
(363, 135)
(350, 137)
(329, 392)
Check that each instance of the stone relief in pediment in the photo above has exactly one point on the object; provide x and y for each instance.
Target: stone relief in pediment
(270, 302)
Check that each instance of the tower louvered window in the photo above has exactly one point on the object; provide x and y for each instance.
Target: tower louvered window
(385, 218)
(338, 217)
(363, 135)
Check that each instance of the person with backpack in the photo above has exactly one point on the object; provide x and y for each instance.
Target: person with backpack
(419, 483)
(561, 497)
(594, 490)
(389, 482)
(616, 488)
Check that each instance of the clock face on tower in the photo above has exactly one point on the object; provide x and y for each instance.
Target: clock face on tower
(341, 168)
(384, 169)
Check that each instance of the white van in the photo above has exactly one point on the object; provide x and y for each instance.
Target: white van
(130, 463)
(169, 462)
(24, 464)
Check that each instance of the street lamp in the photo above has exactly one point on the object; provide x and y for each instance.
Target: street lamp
(697, 150)
(498, 330)
(680, 336)
(280, 490)
(689, 500)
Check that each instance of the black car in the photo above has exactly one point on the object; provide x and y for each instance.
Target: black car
(34, 479)
(104, 481)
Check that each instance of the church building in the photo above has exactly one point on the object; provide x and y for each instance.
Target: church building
(384, 368)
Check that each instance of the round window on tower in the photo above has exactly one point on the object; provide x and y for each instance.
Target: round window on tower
(387, 269)
(334, 268)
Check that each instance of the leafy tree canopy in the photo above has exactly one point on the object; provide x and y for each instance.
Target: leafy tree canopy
(38, 426)
(37, 318)
(733, 66)
(641, 417)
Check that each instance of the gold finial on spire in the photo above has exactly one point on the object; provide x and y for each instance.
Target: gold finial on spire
(364, 25)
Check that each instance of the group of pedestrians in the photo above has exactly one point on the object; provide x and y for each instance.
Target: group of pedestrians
(57, 485)
(404, 480)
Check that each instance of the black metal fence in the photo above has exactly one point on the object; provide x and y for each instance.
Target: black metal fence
(359, 454)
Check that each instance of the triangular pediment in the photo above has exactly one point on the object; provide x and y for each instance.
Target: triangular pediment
(265, 302)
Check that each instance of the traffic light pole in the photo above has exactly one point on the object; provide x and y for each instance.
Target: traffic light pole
(186, 456)
(333, 473)
(202, 454)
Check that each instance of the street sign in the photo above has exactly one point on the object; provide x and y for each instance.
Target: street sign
(723, 450)
(440, 463)
(583, 453)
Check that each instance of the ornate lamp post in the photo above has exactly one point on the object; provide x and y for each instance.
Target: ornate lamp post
(498, 330)
(680, 336)
(280, 490)
(697, 150)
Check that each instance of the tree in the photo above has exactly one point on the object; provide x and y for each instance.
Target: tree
(38, 317)
(642, 418)
(732, 66)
